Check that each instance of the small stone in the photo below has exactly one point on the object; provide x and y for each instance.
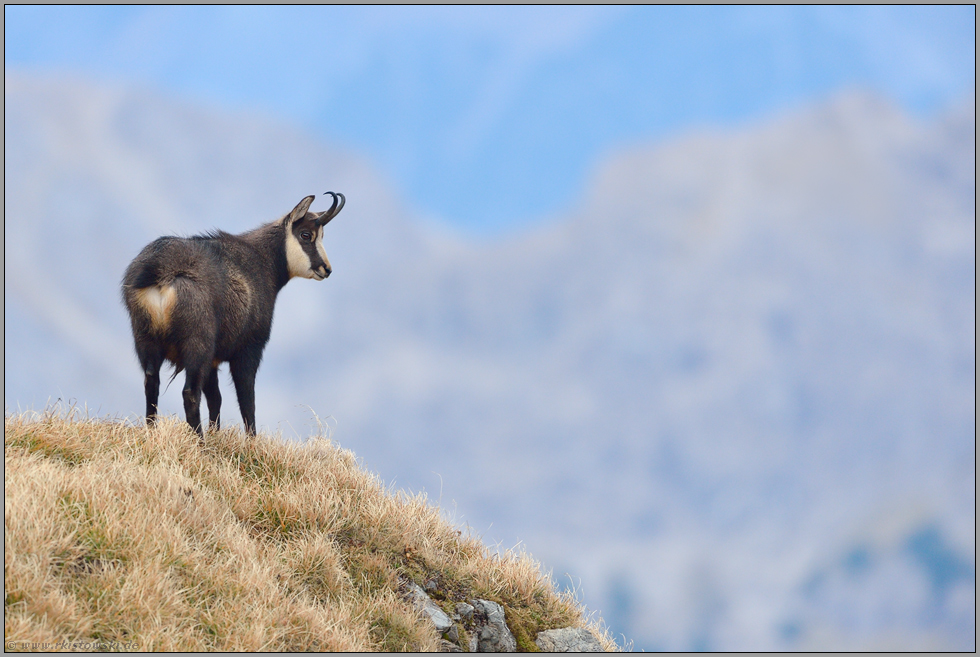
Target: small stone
(464, 610)
(439, 619)
(431, 585)
(446, 646)
(568, 639)
(453, 634)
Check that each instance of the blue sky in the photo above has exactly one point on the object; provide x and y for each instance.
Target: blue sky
(491, 118)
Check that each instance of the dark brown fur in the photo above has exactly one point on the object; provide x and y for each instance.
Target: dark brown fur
(224, 293)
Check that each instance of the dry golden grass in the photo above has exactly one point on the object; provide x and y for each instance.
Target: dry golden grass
(133, 538)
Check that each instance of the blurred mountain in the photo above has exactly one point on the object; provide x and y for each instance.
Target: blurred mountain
(732, 395)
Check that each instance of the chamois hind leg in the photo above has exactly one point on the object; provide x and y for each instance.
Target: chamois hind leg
(243, 370)
(192, 400)
(198, 369)
(151, 359)
(213, 395)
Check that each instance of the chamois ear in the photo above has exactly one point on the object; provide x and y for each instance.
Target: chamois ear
(300, 210)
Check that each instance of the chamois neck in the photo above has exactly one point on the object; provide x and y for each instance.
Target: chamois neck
(270, 241)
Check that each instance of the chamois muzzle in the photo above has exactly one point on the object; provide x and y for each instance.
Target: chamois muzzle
(335, 208)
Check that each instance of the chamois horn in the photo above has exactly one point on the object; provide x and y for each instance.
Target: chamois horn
(334, 210)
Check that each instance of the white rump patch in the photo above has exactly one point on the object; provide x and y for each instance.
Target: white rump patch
(296, 259)
(157, 301)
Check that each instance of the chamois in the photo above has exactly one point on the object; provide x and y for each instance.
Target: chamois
(204, 300)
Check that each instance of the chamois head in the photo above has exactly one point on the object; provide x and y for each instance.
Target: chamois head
(304, 238)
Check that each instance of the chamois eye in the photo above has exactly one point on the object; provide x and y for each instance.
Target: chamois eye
(306, 235)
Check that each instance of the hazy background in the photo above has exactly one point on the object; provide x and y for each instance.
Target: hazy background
(681, 298)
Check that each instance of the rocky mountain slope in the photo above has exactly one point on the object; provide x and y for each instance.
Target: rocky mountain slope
(123, 538)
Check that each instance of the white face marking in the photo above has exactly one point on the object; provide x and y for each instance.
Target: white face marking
(319, 248)
(296, 259)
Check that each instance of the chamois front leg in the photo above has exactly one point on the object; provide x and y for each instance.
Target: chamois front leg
(213, 395)
(243, 371)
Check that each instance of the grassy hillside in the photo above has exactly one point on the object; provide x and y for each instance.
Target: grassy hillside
(144, 539)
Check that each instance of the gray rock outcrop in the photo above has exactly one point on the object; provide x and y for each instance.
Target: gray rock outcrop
(568, 639)
(491, 633)
(483, 621)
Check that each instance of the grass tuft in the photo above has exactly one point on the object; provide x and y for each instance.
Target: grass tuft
(123, 537)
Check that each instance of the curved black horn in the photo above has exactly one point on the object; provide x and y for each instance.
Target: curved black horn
(334, 210)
